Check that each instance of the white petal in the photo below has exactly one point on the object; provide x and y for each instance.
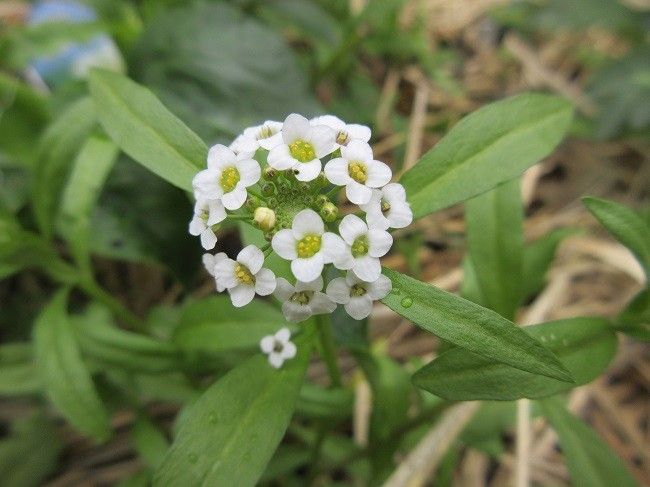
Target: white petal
(359, 132)
(315, 285)
(224, 271)
(380, 288)
(251, 257)
(235, 199)
(357, 150)
(307, 269)
(374, 203)
(338, 290)
(321, 304)
(376, 219)
(357, 193)
(394, 192)
(280, 159)
(241, 295)
(273, 141)
(276, 360)
(333, 248)
(367, 268)
(209, 263)
(399, 215)
(308, 171)
(220, 156)
(352, 227)
(344, 261)
(306, 222)
(265, 282)
(359, 307)
(289, 351)
(217, 212)
(336, 171)
(283, 335)
(331, 121)
(208, 239)
(197, 225)
(295, 127)
(379, 242)
(378, 174)
(206, 184)
(249, 171)
(284, 244)
(322, 138)
(283, 289)
(295, 312)
(351, 278)
(267, 343)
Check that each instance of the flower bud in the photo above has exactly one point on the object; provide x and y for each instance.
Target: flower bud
(329, 212)
(264, 218)
(270, 173)
(268, 189)
(252, 202)
(322, 200)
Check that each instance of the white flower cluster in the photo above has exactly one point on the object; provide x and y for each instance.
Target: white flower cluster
(279, 177)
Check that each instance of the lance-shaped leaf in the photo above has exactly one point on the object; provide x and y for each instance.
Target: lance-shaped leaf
(490, 146)
(67, 382)
(144, 129)
(18, 372)
(470, 326)
(584, 345)
(589, 459)
(229, 435)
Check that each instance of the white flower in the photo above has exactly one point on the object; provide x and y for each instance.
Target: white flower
(308, 246)
(302, 147)
(245, 276)
(303, 300)
(357, 295)
(207, 213)
(357, 171)
(278, 347)
(365, 246)
(227, 177)
(388, 208)
(266, 136)
(344, 133)
(210, 262)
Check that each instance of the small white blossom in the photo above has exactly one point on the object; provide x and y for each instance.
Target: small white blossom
(357, 295)
(245, 276)
(303, 300)
(364, 247)
(266, 136)
(207, 213)
(308, 246)
(357, 171)
(210, 262)
(344, 133)
(227, 177)
(388, 208)
(278, 347)
(303, 145)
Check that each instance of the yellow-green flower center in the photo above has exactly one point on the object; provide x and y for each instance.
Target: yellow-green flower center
(308, 246)
(360, 246)
(229, 179)
(302, 150)
(342, 138)
(385, 205)
(358, 171)
(302, 297)
(265, 132)
(357, 290)
(244, 275)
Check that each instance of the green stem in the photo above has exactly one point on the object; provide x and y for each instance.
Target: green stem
(92, 289)
(239, 217)
(328, 349)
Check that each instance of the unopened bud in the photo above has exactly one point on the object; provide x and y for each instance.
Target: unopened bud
(322, 200)
(264, 218)
(329, 212)
(268, 189)
(252, 202)
(270, 173)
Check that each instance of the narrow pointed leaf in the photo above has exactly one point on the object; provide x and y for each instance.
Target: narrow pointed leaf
(490, 146)
(589, 459)
(470, 326)
(18, 372)
(143, 128)
(230, 433)
(585, 346)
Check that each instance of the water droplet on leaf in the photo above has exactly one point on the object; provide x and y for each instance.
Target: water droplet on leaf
(406, 302)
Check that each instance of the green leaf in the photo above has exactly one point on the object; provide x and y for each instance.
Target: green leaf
(496, 241)
(229, 435)
(68, 383)
(150, 442)
(101, 340)
(635, 318)
(90, 169)
(589, 459)
(30, 454)
(627, 226)
(144, 129)
(317, 402)
(18, 373)
(56, 151)
(585, 346)
(215, 325)
(470, 326)
(490, 146)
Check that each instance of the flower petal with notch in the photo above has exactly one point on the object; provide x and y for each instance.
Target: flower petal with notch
(364, 247)
(303, 300)
(388, 208)
(357, 295)
(344, 132)
(245, 277)
(207, 213)
(210, 262)
(266, 136)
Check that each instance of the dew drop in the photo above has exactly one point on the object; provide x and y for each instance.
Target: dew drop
(193, 457)
(406, 302)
